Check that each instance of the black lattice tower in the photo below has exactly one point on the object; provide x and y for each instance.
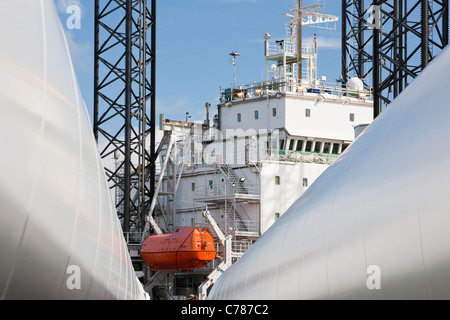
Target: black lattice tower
(124, 102)
(389, 55)
(356, 40)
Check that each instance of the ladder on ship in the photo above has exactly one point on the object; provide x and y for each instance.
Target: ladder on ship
(233, 218)
(232, 179)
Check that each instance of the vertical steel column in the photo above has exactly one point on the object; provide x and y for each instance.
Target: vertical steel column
(445, 30)
(123, 92)
(344, 47)
(360, 39)
(396, 47)
(355, 39)
(96, 66)
(127, 150)
(425, 33)
(299, 42)
(376, 70)
(153, 101)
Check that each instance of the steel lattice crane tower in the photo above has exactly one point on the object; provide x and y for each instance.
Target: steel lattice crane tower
(387, 43)
(124, 102)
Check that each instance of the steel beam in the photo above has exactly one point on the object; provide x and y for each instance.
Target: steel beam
(124, 82)
(409, 36)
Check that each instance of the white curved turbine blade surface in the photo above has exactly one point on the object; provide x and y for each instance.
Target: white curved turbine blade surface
(60, 237)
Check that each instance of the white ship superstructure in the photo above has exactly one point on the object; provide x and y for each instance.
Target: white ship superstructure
(268, 142)
(375, 225)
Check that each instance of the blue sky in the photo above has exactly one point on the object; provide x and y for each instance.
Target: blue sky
(194, 39)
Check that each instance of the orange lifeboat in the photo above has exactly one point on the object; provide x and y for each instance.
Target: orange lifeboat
(186, 248)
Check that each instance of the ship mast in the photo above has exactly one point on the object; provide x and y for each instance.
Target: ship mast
(289, 54)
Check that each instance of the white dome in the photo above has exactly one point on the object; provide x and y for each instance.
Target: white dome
(355, 84)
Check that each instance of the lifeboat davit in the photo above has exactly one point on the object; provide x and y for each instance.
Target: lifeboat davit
(186, 248)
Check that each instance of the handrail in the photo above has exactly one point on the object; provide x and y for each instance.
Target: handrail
(132, 237)
(302, 156)
(291, 85)
(224, 189)
(289, 49)
(276, 155)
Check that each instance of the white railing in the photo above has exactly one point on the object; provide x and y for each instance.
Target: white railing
(291, 85)
(264, 154)
(243, 225)
(234, 224)
(302, 156)
(132, 237)
(289, 48)
(241, 246)
(223, 189)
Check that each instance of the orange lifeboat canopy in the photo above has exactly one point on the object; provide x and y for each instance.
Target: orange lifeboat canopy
(186, 248)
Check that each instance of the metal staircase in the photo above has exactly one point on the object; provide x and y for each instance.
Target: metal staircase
(233, 181)
(234, 220)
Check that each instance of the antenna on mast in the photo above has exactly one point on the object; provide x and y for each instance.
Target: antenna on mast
(234, 54)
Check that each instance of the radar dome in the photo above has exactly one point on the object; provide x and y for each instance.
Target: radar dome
(355, 84)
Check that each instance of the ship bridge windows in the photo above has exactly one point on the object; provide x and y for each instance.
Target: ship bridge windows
(308, 147)
(274, 112)
(256, 114)
(344, 146)
(317, 146)
(335, 149)
(239, 117)
(299, 145)
(291, 144)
